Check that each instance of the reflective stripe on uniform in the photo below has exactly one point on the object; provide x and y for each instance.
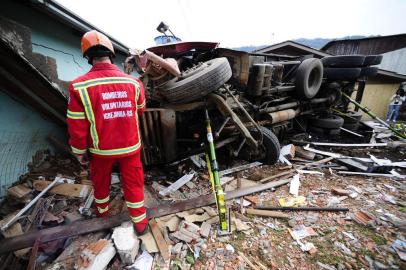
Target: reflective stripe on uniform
(140, 106)
(104, 200)
(139, 218)
(78, 151)
(75, 115)
(118, 151)
(135, 204)
(106, 80)
(84, 96)
(102, 210)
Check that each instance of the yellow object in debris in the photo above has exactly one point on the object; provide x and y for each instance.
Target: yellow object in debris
(292, 201)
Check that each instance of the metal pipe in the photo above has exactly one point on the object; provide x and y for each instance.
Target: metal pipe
(225, 109)
(222, 126)
(239, 148)
(246, 114)
(31, 203)
(283, 115)
(280, 107)
(319, 100)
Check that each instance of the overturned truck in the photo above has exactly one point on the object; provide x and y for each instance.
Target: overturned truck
(254, 100)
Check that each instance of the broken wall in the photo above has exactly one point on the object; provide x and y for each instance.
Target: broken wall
(53, 39)
(22, 133)
(53, 49)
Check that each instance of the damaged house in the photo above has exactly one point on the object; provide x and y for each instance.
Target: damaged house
(39, 54)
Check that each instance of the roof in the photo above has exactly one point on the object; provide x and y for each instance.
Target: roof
(23, 79)
(369, 45)
(70, 19)
(286, 45)
(392, 75)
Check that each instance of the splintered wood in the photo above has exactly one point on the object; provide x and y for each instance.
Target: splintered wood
(71, 190)
(162, 245)
(19, 191)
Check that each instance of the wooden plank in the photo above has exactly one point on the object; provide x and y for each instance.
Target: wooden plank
(19, 191)
(71, 190)
(33, 257)
(254, 189)
(247, 261)
(159, 239)
(239, 168)
(266, 213)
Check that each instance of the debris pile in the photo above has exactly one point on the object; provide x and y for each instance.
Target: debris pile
(306, 212)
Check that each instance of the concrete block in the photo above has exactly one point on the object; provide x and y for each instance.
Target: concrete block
(126, 242)
(205, 229)
(96, 255)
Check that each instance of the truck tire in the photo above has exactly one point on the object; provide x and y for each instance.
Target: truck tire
(372, 60)
(369, 71)
(270, 144)
(351, 126)
(344, 61)
(329, 122)
(342, 73)
(333, 132)
(316, 130)
(351, 117)
(309, 76)
(204, 79)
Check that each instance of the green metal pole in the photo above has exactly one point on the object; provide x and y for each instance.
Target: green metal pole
(368, 111)
(213, 167)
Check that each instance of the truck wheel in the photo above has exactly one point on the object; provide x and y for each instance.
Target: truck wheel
(342, 73)
(309, 76)
(197, 82)
(334, 131)
(372, 60)
(352, 126)
(351, 117)
(268, 151)
(329, 122)
(316, 130)
(344, 61)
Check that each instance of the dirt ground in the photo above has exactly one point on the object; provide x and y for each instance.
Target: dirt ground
(370, 246)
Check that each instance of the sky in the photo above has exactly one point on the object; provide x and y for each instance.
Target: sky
(241, 22)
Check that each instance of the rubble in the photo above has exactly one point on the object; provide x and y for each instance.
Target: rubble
(337, 221)
(126, 243)
(19, 191)
(96, 255)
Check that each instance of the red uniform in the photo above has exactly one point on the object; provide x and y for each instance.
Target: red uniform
(103, 110)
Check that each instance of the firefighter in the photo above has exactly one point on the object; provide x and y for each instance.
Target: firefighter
(103, 120)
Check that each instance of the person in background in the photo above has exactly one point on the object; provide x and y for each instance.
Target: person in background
(395, 104)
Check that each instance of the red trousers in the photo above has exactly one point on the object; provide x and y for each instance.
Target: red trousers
(132, 179)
